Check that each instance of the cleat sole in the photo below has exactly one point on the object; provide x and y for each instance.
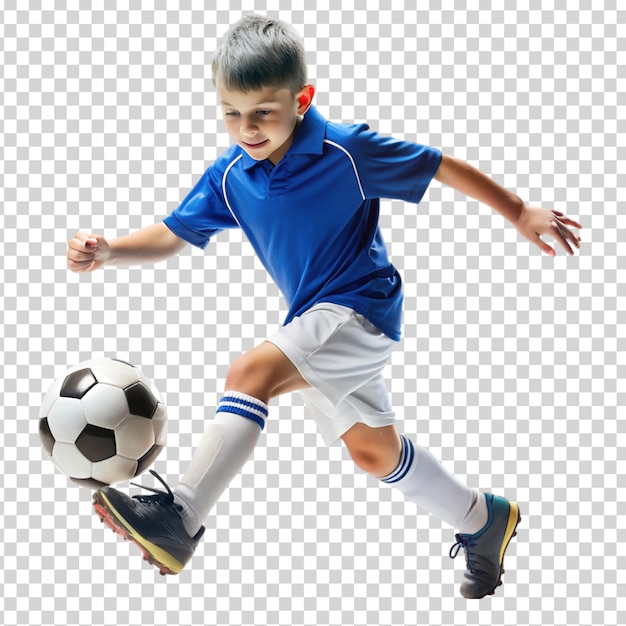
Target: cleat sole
(107, 515)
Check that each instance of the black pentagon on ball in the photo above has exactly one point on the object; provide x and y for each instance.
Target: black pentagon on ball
(96, 444)
(47, 439)
(141, 400)
(77, 384)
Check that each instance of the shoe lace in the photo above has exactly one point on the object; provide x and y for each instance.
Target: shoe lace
(465, 542)
(160, 497)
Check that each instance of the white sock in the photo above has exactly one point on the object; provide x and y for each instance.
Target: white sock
(224, 448)
(424, 480)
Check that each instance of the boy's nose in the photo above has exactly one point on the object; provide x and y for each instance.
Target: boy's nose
(247, 128)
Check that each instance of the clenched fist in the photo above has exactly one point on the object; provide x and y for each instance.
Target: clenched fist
(86, 252)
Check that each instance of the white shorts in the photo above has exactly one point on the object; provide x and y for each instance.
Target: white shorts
(341, 355)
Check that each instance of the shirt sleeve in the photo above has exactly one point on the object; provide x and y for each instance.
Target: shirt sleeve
(392, 168)
(203, 213)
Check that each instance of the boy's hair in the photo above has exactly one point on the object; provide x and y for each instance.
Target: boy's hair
(260, 52)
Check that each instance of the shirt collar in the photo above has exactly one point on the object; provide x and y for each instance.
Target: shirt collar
(308, 140)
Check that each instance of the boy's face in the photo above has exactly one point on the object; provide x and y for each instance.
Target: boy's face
(263, 122)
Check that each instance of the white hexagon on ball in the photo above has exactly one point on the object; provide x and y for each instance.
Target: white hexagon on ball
(66, 419)
(134, 437)
(115, 373)
(114, 470)
(105, 406)
(70, 461)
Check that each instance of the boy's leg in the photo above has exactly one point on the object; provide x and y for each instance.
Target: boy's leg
(487, 522)
(230, 438)
(167, 526)
(414, 471)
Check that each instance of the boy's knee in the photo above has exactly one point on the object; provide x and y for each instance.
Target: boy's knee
(373, 462)
(365, 460)
(252, 375)
(263, 373)
(374, 450)
(248, 376)
(239, 371)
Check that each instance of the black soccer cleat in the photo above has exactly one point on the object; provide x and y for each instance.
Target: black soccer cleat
(154, 523)
(484, 550)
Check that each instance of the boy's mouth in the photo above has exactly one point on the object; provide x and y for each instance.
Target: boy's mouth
(254, 146)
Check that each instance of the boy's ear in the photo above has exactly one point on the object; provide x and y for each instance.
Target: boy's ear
(304, 98)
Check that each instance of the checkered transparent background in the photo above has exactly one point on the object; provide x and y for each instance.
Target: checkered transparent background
(512, 366)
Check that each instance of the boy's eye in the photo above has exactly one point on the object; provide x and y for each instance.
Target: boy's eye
(259, 113)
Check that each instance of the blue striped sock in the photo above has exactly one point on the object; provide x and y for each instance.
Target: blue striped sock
(244, 405)
(424, 480)
(406, 460)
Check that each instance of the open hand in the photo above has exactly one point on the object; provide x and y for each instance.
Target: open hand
(533, 223)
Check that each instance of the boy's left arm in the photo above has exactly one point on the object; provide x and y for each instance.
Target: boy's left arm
(531, 223)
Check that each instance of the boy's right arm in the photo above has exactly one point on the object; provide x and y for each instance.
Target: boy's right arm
(87, 252)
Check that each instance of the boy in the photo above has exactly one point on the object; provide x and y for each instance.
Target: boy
(306, 193)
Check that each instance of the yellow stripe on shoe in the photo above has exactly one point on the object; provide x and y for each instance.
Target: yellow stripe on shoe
(513, 520)
(161, 556)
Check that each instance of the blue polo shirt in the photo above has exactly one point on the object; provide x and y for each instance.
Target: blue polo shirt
(313, 218)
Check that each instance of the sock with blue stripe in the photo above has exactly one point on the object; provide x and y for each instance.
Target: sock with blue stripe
(424, 480)
(226, 445)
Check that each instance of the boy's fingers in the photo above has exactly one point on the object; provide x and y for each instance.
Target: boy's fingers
(80, 266)
(76, 250)
(568, 234)
(573, 237)
(85, 241)
(566, 220)
(559, 235)
(79, 255)
(544, 246)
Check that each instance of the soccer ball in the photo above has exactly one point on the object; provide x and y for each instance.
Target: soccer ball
(102, 423)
